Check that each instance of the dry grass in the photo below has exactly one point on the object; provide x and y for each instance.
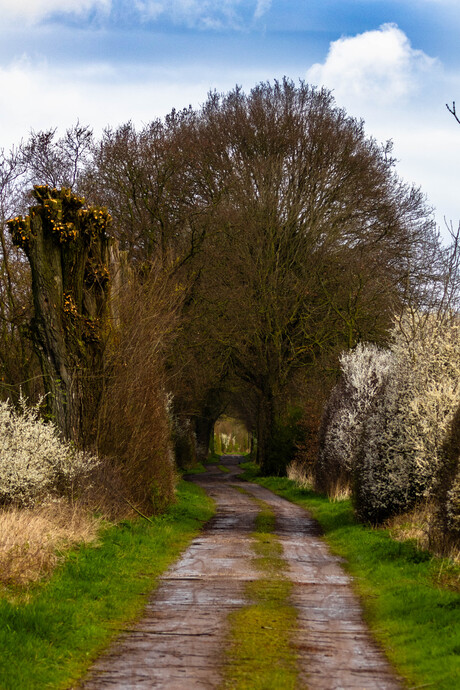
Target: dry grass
(339, 490)
(302, 475)
(297, 472)
(33, 540)
(420, 526)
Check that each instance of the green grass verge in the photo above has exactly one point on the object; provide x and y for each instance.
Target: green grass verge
(213, 459)
(50, 641)
(413, 616)
(199, 468)
(251, 471)
(259, 655)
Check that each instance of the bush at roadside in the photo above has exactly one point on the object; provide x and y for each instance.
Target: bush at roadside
(34, 461)
(365, 371)
(389, 420)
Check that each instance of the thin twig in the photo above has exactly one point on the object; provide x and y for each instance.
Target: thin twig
(453, 111)
(136, 510)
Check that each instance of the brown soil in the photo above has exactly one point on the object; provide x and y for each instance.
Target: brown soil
(179, 642)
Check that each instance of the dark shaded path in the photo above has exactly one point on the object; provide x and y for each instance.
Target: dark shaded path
(178, 643)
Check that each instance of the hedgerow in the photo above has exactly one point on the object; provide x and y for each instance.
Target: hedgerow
(404, 434)
(390, 418)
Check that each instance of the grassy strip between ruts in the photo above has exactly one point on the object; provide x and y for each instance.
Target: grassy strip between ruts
(412, 613)
(50, 640)
(259, 655)
(199, 468)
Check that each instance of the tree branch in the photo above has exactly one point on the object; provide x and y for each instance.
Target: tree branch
(453, 111)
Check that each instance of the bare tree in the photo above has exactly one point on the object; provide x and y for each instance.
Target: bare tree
(18, 367)
(56, 161)
(147, 179)
(317, 243)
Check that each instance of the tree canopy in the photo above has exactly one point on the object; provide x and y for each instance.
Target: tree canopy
(282, 226)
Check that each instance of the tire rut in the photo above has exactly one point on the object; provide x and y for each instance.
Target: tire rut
(178, 644)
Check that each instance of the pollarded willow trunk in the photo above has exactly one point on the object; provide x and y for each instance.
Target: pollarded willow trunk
(68, 250)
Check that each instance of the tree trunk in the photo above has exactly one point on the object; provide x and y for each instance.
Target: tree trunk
(265, 428)
(204, 428)
(68, 251)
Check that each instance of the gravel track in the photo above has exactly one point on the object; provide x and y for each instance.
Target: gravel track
(178, 643)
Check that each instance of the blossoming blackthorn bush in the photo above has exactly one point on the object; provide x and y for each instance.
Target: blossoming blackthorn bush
(389, 418)
(401, 456)
(33, 459)
(364, 372)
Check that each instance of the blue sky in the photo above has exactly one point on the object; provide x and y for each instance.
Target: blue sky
(393, 63)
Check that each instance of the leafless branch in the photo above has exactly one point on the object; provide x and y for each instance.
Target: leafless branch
(453, 111)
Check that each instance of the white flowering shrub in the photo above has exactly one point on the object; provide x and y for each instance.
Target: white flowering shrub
(33, 459)
(364, 372)
(452, 508)
(447, 489)
(402, 450)
(387, 424)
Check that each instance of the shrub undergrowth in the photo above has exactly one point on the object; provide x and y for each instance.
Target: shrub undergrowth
(135, 422)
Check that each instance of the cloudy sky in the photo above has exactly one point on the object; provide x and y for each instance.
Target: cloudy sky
(394, 63)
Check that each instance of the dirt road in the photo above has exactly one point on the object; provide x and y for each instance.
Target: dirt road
(179, 642)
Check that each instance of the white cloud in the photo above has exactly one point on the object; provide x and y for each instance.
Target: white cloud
(400, 92)
(204, 14)
(41, 96)
(262, 7)
(32, 11)
(380, 65)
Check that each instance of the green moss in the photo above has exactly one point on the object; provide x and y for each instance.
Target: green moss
(199, 468)
(213, 458)
(260, 655)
